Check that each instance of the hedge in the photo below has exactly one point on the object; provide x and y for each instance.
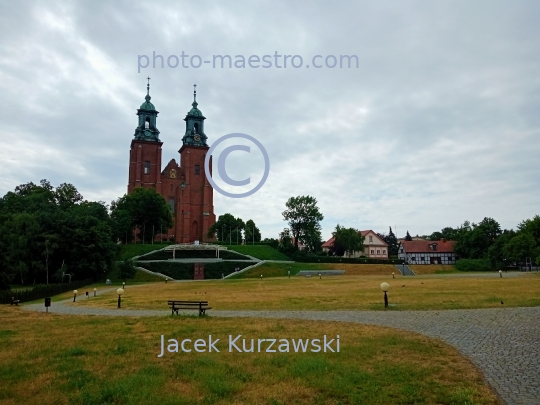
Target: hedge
(333, 259)
(473, 265)
(184, 271)
(192, 254)
(41, 291)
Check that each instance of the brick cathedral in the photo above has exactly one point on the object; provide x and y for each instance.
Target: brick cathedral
(184, 184)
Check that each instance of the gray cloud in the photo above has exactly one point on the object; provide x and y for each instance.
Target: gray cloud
(437, 125)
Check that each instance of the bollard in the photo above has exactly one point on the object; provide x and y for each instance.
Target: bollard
(319, 276)
(393, 275)
(500, 273)
(74, 295)
(95, 289)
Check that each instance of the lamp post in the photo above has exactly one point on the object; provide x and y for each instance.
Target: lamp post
(505, 268)
(385, 287)
(261, 277)
(319, 276)
(500, 273)
(393, 275)
(120, 291)
(124, 285)
(95, 289)
(289, 272)
(74, 295)
(403, 267)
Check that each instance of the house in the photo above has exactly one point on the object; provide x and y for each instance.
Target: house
(427, 251)
(374, 246)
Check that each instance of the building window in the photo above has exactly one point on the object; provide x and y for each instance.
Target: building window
(371, 238)
(147, 167)
(378, 252)
(372, 251)
(171, 204)
(197, 169)
(384, 251)
(414, 259)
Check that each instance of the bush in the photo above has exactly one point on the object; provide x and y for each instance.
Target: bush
(184, 271)
(192, 254)
(301, 257)
(473, 265)
(41, 291)
(126, 269)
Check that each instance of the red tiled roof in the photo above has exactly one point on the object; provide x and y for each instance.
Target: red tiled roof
(422, 246)
(329, 243)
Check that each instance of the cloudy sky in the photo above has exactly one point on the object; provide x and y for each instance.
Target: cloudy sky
(438, 124)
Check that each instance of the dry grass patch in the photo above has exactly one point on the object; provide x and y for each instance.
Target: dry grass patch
(334, 292)
(281, 269)
(433, 269)
(55, 359)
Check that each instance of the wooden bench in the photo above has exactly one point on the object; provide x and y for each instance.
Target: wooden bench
(201, 306)
(14, 301)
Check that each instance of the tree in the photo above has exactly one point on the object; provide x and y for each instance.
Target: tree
(285, 242)
(43, 229)
(496, 253)
(304, 216)
(531, 226)
(473, 242)
(224, 227)
(408, 236)
(253, 234)
(521, 246)
(391, 241)
(348, 240)
(148, 210)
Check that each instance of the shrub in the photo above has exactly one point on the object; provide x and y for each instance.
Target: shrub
(473, 265)
(184, 271)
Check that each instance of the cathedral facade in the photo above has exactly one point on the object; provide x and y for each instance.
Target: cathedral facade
(184, 184)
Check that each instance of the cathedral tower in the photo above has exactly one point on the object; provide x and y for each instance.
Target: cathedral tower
(184, 184)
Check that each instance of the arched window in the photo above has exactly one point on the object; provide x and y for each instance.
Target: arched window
(196, 128)
(171, 204)
(147, 123)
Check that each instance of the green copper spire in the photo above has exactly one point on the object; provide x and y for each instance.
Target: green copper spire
(195, 124)
(147, 131)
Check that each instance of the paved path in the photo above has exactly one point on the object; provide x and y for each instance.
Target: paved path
(405, 270)
(504, 343)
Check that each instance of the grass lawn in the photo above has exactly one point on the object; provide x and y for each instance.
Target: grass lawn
(55, 359)
(337, 293)
(434, 269)
(262, 252)
(281, 269)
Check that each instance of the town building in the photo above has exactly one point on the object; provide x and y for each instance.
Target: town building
(183, 184)
(374, 246)
(427, 251)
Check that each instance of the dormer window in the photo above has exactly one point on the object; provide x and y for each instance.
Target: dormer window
(433, 246)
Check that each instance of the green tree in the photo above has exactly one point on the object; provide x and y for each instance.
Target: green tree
(531, 226)
(496, 253)
(286, 245)
(474, 241)
(347, 240)
(253, 234)
(225, 226)
(521, 246)
(148, 210)
(304, 218)
(408, 236)
(391, 241)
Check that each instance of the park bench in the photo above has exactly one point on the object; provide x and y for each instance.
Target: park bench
(201, 306)
(14, 301)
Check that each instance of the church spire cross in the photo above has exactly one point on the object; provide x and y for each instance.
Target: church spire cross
(148, 86)
(195, 93)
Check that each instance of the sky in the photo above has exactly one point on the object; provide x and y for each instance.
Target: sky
(437, 123)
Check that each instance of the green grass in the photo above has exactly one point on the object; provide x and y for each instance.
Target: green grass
(130, 250)
(184, 271)
(59, 359)
(261, 252)
(192, 254)
(140, 277)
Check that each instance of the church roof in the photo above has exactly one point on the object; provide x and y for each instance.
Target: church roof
(147, 105)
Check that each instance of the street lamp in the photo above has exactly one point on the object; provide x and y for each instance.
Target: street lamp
(289, 272)
(403, 267)
(393, 275)
(319, 276)
(74, 295)
(385, 287)
(124, 285)
(95, 289)
(500, 273)
(120, 291)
